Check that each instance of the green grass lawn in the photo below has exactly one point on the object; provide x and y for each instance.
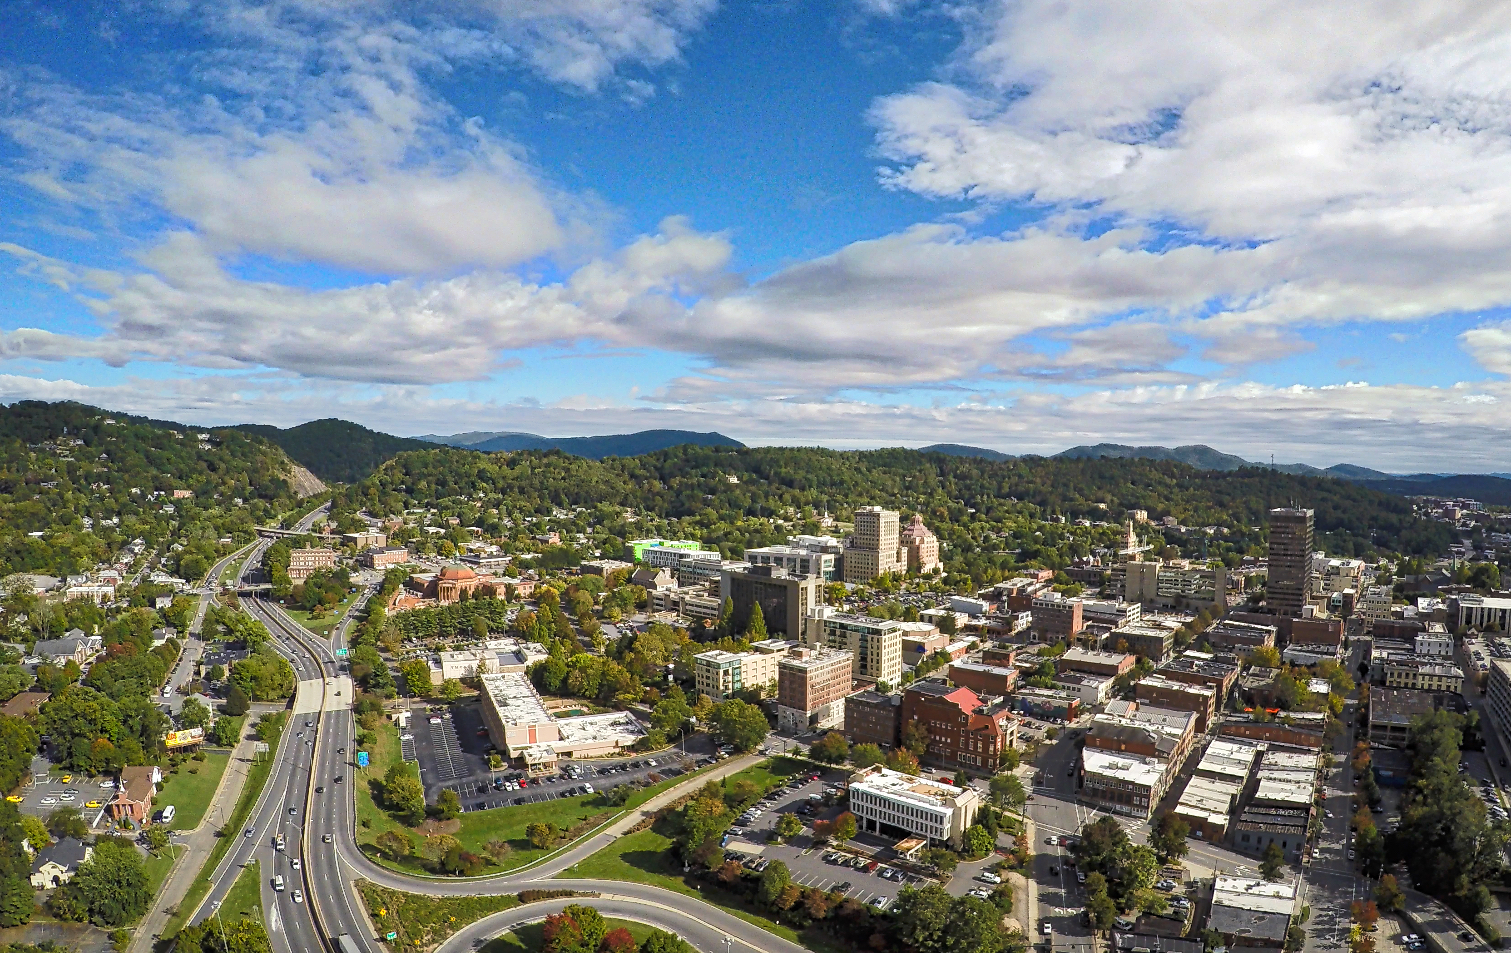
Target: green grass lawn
(423, 922)
(158, 866)
(530, 938)
(189, 788)
(645, 856)
(327, 621)
(580, 814)
(245, 896)
(256, 778)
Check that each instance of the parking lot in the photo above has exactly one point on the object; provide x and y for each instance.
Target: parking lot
(451, 747)
(49, 792)
(868, 870)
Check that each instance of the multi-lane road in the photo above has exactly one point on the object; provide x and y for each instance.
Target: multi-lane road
(317, 815)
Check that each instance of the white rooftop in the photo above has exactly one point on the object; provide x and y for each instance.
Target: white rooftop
(586, 729)
(1121, 766)
(1260, 896)
(515, 698)
(906, 787)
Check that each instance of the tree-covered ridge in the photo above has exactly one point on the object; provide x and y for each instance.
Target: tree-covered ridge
(335, 450)
(77, 483)
(988, 513)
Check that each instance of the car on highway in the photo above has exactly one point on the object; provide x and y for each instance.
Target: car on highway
(320, 789)
(248, 833)
(295, 863)
(326, 838)
(298, 897)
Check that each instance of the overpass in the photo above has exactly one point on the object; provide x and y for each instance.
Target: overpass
(273, 532)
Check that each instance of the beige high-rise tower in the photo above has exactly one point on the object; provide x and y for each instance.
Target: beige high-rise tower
(872, 550)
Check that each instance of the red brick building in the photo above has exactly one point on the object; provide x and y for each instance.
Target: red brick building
(872, 718)
(962, 731)
(984, 679)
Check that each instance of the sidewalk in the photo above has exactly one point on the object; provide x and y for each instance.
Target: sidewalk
(197, 846)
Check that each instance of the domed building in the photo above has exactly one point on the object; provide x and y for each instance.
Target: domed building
(452, 581)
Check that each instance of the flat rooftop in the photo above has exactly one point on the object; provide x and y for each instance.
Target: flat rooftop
(590, 729)
(1122, 767)
(906, 787)
(516, 699)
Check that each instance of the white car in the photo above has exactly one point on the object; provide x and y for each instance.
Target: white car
(49, 800)
(987, 877)
(298, 897)
(68, 797)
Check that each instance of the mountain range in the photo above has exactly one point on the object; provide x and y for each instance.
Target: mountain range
(1486, 487)
(593, 448)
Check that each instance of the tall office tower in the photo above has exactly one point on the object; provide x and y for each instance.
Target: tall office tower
(1289, 587)
(872, 550)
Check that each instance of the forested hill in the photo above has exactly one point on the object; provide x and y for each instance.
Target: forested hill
(63, 464)
(984, 510)
(335, 450)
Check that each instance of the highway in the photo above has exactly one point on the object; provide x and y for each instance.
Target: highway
(330, 868)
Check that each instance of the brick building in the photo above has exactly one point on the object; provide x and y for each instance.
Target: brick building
(873, 718)
(962, 731)
(811, 688)
(984, 679)
(1163, 692)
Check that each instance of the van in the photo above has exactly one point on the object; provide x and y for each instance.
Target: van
(167, 814)
(278, 882)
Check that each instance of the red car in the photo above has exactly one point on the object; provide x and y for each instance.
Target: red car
(523, 783)
(871, 866)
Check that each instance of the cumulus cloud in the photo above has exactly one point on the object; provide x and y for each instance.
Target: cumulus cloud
(1366, 147)
(184, 307)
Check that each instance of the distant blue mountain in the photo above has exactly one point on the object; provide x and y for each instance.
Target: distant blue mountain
(593, 448)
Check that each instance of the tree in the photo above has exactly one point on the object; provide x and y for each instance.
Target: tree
(194, 714)
(226, 731)
(1169, 837)
(217, 673)
(941, 857)
(35, 832)
(788, 825)
(740, 724)
(112, 885)
(660, 941)
(831, 749)
(1011, 758)
(617, 940)
(863, 756)
(542, 834)
(450, 690)
(67, 822)
(395, 844)
(1007, 791)
(437, 846)
(755, 628)
(447, 805)
(1099, 905)
(977, 842)
(416, 674)
(1364, 913)
(844, 826)
(157, 838)
(1389, 895)
(403, 795)
(914, 739)
(1272, 862)
(237, 702)
(774, 880)
(1265, 656)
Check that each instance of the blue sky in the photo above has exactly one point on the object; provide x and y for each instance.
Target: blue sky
(853, 223)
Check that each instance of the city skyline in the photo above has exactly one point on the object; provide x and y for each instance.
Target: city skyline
(871, 223)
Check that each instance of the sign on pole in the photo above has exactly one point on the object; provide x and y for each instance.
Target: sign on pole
(341, 653)
(361, 759)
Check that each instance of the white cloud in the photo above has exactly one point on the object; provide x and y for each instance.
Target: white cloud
(1365, 147)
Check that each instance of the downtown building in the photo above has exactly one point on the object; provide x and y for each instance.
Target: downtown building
(963, 729)
(812, 684)
(1288, 590)
(872, 549)
(892, 803)
(785, 600)
(875, 645)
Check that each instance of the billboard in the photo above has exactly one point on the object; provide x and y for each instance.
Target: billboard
(182, 739)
